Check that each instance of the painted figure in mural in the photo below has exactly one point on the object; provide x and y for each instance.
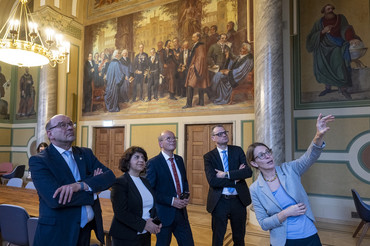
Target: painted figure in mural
(198, 72)
(177, 51)
(140, 65)
(232, 39)
(102, 70)
(3, 103)
(190, 20)
(237, 70)
(169, 69)
(27, 91)
(155, 67)
(182, 68)
(128, 77)
(88, 80)
(216, 56)
(96, 72)
(213, 37)
(230, 31)
(115, 75)
(205, 36)
(2, 83)
(162, 83)
(329, 41)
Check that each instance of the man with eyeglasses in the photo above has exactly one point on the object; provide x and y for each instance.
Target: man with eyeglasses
(67, 179)
(228, 195)
(167, 176)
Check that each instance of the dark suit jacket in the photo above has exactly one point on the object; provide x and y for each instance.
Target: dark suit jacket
(159, 177)
(128, 208)
(60, 224)
(212, 161)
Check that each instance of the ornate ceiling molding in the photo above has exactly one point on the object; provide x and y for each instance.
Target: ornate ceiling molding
(48, 17)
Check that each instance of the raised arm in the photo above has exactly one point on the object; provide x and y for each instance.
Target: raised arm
(322, 128)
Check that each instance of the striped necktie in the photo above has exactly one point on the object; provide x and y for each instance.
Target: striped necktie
(226, 167)
(76, 174)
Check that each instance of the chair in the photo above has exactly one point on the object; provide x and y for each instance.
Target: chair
(105, 194)
(15, 182)
(30, 185)
(18, 172)
(13, 224)
(363, 211)
(245, 87)
(97, 97)
(6, 167)
(31, 226)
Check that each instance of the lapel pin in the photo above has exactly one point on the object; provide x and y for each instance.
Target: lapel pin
(80, 158)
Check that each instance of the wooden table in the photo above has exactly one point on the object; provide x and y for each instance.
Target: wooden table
(29, 200)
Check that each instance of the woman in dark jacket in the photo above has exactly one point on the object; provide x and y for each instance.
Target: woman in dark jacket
(133, 202)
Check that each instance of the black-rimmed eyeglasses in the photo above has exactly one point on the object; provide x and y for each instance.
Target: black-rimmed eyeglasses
(220, 134)
(64, 125)
(263, 155)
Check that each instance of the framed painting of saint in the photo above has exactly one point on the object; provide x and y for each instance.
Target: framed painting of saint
(332, 52)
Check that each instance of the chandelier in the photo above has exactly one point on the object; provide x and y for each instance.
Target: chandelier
(22, 45)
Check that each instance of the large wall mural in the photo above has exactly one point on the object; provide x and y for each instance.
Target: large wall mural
(185, 57)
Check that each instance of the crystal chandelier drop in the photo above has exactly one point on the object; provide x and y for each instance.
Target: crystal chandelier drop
(22, 45)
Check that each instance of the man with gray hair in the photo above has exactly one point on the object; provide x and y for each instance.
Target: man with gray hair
(67, 179)
(237, 70)
(167, 176)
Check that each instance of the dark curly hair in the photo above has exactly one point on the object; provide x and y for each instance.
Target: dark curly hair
(124, 162)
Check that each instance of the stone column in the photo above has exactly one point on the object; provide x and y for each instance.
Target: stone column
(268, 74)
(47, 103)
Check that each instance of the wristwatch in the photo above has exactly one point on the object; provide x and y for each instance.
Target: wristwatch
(227, 175)
(82, 185)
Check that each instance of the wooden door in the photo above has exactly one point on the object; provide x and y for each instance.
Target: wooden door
(109, 146)
(198, 143)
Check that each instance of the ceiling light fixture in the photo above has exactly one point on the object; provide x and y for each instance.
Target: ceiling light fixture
(22, 45)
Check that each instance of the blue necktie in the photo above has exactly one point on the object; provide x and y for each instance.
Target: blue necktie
(226, 166)
(76, 174)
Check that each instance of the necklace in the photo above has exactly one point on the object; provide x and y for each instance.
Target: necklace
(272, 179)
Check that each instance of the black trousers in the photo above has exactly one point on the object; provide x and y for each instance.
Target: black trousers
(85, 234)
(140, 240)
(234, 210)
(180, 228)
